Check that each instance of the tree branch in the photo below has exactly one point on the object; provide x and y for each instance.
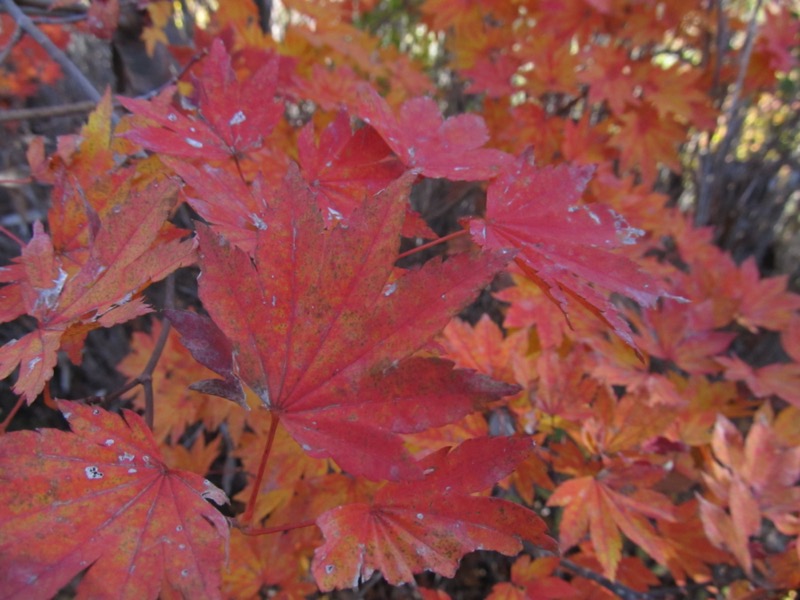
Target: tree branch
(42, 112)
(57, 55)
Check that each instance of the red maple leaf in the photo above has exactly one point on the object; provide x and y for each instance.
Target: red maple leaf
(430, 145)
(128, 250)
(566, 247)
(345, 167)
(432, 523)
(321, 327)
(102, 498)
(232, 116)
(234, 208)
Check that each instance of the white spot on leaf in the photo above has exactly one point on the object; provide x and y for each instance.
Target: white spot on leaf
(108, 442)
(238, 118)
(193, 143)
(172, 117)
(126, 457)
(258, 222)
(93, 473)
(389, 289)
(49, 297)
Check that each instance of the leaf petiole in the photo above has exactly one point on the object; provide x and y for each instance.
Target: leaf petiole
(441, 240)
(247, 530)
(251, 502)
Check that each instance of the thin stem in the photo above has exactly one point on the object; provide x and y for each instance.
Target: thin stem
(441, 240)
(7, 421)
(149, 403)
(11, 236)
(57, 55)
(175, 78)
(251, 503)
(247, 530)
(146, 377)
(115, 394)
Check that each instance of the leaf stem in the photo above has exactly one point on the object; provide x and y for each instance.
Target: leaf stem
(7, 421)
(11, 236)
(247, 530)
(251, 502)
(146, 377)
(441, 240)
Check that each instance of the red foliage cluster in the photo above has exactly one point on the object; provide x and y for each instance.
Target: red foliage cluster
(370, 422)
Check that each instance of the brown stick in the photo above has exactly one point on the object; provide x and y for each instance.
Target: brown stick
(42, 112)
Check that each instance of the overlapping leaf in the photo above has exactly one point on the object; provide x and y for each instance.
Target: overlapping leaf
(429, 524)
(128, 249)
(101, 498)
(564, 246)
(233, 116)
(345, 167)
(593, 506)
(322, 326)
(432, 146)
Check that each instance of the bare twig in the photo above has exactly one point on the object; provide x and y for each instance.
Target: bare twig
(42, 112)
(619, 589)
(15, 37)
(47, 6)
(58, 20)
(85, 106)
(55, 53)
